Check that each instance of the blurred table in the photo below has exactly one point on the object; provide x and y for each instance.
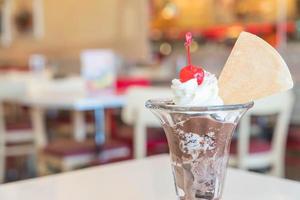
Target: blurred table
(145, 179)
(77, 103)
(70, 93)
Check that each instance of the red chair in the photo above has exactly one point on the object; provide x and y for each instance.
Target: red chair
(123, 83)
(66, 155)
(256, 145)
(156, 139)
(292, 160)
(293, 140)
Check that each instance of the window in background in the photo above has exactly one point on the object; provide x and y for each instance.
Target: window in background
(219, 21)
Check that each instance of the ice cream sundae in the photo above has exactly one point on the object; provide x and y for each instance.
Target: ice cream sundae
(200, 119)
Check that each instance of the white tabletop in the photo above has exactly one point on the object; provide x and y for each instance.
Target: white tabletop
(74, 102)
(147, 179)
(66, 93)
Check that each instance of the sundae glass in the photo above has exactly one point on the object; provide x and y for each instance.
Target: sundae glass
(198, 139)
(201, 118)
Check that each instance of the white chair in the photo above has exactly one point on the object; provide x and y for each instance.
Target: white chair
(19, 138)
(134, 113)
(280, 104)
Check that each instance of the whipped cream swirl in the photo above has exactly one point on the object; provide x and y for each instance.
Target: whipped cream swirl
(190, 93)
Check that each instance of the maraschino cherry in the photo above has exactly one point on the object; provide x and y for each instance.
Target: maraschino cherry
(189, 72)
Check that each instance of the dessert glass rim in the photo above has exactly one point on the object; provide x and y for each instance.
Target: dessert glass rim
(168, 104)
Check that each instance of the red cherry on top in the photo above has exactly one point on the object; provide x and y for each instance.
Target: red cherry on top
(189, 72)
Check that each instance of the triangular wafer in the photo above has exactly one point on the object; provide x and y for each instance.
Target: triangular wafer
(253, 70)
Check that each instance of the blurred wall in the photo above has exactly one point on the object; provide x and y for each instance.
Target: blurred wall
(73, 25)
(196, 14)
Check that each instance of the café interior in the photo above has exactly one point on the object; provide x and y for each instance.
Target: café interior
(75, 75)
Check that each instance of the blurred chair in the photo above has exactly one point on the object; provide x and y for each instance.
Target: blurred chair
(67, 154)
(254, 154)
(15, 139)
(134, 113)
(293, 153)
(2, 145)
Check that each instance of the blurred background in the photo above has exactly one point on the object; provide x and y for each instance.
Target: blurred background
(74, 77)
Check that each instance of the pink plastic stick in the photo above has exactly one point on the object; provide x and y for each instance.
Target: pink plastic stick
(187, 44)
